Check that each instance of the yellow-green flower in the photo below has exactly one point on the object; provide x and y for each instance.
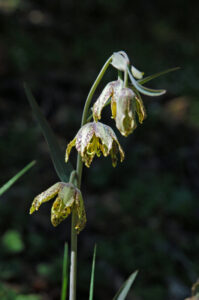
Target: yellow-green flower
(68, 198)
(124, 106)
(93, 139)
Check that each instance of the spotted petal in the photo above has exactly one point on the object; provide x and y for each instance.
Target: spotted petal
(125, 112)
(63, 204)
(140, 109)
(102, 100)
(93, 139)
(80, 211)
(45, 196)
(109, 141)
(69, 148)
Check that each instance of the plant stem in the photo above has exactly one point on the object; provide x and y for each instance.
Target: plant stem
(65, 273)
(126, 78)
(79, 167)
(73, 259)
(92, 90)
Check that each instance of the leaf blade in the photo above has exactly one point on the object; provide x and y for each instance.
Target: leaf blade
(91, 291)
(151, 77)
(64, 273)
(123, 291)
(62, 169)
(10, 182)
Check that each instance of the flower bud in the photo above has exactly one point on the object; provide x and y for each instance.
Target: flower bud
(120, 60)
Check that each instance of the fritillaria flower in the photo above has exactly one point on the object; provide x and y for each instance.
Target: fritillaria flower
(68, 198)
(93, 139)
(124, 106)
(125, 99)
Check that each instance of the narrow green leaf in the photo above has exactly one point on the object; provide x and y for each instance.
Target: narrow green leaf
(9, 183)
(123, 291)
(63, 170)
(92, 275)
(148, 78)
(144, 90)
(65, 273)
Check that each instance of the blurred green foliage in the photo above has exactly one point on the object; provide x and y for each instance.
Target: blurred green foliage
(12, 241)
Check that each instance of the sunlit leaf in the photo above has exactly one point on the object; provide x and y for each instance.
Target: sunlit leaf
(123, 291)
(63, 170)
(92, 275)
(9, 183)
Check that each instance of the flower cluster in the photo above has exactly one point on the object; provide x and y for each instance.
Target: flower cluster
(126, 107)
(96, 138)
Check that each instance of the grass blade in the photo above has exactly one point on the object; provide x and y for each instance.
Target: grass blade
(92, 275)
(10, 182)
(62, 169)
(65, 273)
(123, 291)
(148, 78)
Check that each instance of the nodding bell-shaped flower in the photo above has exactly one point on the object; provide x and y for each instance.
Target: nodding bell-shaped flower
(124, 106)
(68, 198)
(93, 139)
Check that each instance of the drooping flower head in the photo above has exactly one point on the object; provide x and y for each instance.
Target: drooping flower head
(125, 99)
(68, 198)
(124, 106)
(93, 139)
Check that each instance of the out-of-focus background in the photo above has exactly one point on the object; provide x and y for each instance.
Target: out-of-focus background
(144, 213)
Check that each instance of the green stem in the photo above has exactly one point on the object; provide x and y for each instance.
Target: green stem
(73, 259)
(79, 167)
(65, 273)
(120, 75)
(126, 78)
(73, 176)
(92, 90)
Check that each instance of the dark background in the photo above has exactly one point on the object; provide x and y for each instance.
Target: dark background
(143, 214)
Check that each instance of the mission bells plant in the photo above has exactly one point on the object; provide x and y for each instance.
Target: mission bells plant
(95, 139)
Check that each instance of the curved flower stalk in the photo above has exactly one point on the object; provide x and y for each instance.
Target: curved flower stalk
(93, 139)
(68, 198)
